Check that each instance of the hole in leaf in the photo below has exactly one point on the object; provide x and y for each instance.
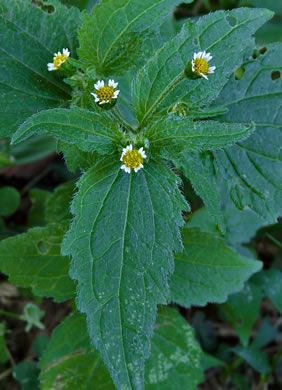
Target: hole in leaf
(239, 73)
(263, 50)
(231, 20)
(42, 247)
(255, 54)
(195, 41)
(49, 9)
(275, 75)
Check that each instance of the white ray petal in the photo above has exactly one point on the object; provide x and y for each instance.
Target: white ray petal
(203, 75)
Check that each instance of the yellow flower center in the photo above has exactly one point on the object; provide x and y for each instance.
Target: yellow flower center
(106, 93)
(132, 159)
(201, 66)
(59, 60)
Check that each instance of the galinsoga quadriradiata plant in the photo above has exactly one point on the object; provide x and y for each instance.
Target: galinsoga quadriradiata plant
(136, 112)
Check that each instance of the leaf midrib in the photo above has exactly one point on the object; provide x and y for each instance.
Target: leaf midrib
(120, 277)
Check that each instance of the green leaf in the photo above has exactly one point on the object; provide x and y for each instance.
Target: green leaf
(88, 130)
(71, 358)
(208, 270)
(75, 158)
(177, 133)
(40, 345)
(252, 168)
(118, 280)
(270, 281)
(33, 149)
(29, 37)
(111, 36)
(242, 310)
(175, 355)
(58, 205)
(209, 361)
(36, 215)
(33, 260)
(9, 201)
(225, 34)
(266, 333)
(255, 358)
(199, 169)
(271, 4)
(241, 225)
(4, 161)
(26, 373)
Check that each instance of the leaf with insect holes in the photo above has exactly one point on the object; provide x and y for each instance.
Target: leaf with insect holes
(33, 259)
(161, 83)
(252, 168)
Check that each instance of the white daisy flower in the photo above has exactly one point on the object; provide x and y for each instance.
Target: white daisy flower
(58, 60)
(200, 64)
(105, 93)
(132, 159)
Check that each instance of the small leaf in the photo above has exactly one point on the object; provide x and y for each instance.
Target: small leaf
(58, 204)
(255, 358)
(29, 38)
(241, 225)
(270, 281)
(175, 356)
(9, 201)
(111, 36)
(33, 260)
(199, 169)
(4, 161)
(88, 130)
(40, 344)
(76, 160)
(26, 374)
(208, 270)
(161, 82)
(71, 361)
(242, 310)
(252, 168)
(36, 215)
(35, 148)
(118, 280)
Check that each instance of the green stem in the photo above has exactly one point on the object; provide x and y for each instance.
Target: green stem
(6, 373)
(36, 180)
(162, 96)
(273, 239)
(11, 315)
